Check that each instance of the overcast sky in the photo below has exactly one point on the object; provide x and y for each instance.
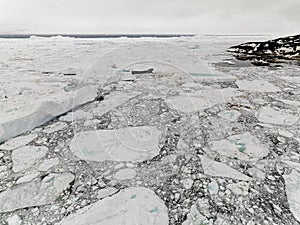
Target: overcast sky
(152, 16)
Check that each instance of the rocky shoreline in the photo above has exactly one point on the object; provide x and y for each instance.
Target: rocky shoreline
(269, 52)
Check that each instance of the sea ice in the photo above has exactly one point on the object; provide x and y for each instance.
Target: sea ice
(14, 220)
(103, 193)
(213, 168)
(55, 127)
(194, 217)
(125, 174)
(17, 119)
(242, 146)
(134, 205)
(28, 177)
(17, 142)
(112, 101)
(190, 102)
(257, 86)
(292, 164)
(292, 189)
(25, 157)
(276, 116)
(230, 115)
(48, 164)
(127, 144)
(35, 193)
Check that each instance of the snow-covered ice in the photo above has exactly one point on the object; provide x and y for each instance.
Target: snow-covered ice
(135, 205)
(127, 144)
(34, 193)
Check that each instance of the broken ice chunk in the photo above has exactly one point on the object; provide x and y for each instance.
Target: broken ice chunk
(25, 157)
(242, 146)
(48, 164)
(127, 144)
(112, 101)
(135, 205)
(125, 174)
(292, 164)
(18, 142)
(292, 188)
(14, 220)
(187, 102)
(194, 217)
(18, 119)
(230, 115)
(240, 188)
(257, 86)
(28, 177)
(276, 116)
(35, 193)
(213, 168)
(55, 127)
(103, 193)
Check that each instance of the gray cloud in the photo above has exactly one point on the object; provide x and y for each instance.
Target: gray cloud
(155, 16)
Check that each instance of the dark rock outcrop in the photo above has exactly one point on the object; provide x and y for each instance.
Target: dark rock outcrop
(270, 51)
(142, 71)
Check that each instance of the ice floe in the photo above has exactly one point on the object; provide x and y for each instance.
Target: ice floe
(240, 188)
(48, 164)
(214, 168)
(28, 177)
(242, 146)
(25, 157)
(230, 115)
(127, 144)
(55, 127)
(35, 193)
(257, 86)
(112, 101)
(106, 192)
(135, 205)
(14, 220)
(18, 142)
(190, 102)
(194, 217)
(292, 189)
(125, 174)
(17, 119)
(276, 116)
(293, 165)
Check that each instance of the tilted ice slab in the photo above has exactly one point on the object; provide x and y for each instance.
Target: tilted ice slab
(257, 86)
(17, 119)
(194, 217)
(127, 144)
(190, 102)
(218, 169)
(135, 205)
(292, 189)
(18, 142)
(25, 157)
(242, 146)
(35, 193)
(292, 164)
(276, 116)
(112, 101)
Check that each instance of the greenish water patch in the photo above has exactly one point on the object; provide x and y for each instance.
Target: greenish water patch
(124, 71)
(133, 196)
(204, 74)
(155, 210)
(242, 147)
